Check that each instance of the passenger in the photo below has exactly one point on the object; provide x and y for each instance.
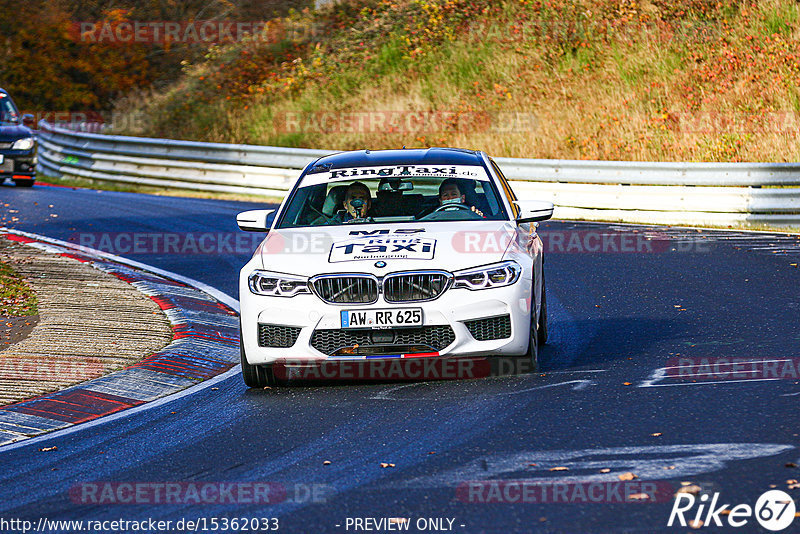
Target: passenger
(359, 209)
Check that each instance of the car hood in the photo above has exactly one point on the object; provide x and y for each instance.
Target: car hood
(384, 248)
(12, 132)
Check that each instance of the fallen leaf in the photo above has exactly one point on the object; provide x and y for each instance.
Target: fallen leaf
(656, 434)
(45, 449)
(385, 465)
(214, 389)
(638, 496)
(695, 523)
(559, 469)
(532, 465)
(793, 486)
(626, 383)
(791, 481)
(791, 464)
(326, 462)
(692, 489)
(627, 476)
(605, 470)
(725, 512)
(669, 467)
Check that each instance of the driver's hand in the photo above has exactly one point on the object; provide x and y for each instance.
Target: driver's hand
(479, 212)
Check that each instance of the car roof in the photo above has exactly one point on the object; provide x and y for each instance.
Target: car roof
(411, 156)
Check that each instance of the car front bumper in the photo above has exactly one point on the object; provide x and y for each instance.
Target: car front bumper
(18, 163)
(475, 319)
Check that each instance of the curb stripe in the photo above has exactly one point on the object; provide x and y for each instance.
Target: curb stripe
(205, 345)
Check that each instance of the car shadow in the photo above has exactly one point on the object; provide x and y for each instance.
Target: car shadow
(591, 343)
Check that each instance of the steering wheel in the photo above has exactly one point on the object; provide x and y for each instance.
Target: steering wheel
(453, 205)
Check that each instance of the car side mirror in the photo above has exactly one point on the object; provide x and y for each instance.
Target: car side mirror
(28, 120)
(254, 220)
(534, 210)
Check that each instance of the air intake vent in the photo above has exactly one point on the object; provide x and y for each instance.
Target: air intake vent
(277, 336)
(490, 328)
(331, 341)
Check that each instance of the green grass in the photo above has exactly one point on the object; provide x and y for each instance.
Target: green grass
(781, 19)
(16, 298)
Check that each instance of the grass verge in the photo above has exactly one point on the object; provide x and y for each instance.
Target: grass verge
(16, 298)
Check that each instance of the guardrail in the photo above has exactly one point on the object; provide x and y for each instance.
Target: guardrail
(661, 193)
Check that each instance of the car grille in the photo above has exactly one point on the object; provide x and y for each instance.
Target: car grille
(275, 335)
(332, 341)
(5, 146)
(490, 328)
(415, 286)
(346, 289)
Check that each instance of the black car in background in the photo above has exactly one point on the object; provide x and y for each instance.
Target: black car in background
(17, 144)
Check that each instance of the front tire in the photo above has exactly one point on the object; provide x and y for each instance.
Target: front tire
(255, 376)
(542, 328)
(533, 344)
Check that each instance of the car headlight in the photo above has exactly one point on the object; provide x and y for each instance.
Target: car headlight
(23, 144)
(277, 284)
(488, 276)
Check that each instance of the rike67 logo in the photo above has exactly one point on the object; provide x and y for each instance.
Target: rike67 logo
(774, 510)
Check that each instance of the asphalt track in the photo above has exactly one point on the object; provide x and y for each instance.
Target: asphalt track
(610, 395)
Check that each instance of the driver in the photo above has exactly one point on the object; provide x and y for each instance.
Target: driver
(450, 193)
(357, 203)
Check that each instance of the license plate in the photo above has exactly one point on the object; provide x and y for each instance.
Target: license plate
(387, 318)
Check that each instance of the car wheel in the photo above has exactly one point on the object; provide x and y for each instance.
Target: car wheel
(533, 346)
(255, 376)
(542, 328)
(24, 183)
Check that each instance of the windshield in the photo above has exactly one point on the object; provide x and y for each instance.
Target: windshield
(401, 193)
(8, 112)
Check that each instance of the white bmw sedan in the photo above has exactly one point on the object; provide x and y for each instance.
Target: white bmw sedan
(393, 254)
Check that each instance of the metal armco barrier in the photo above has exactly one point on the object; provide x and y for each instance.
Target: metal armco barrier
(623, 191)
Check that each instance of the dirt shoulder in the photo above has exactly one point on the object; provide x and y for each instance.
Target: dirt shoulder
(90, 323)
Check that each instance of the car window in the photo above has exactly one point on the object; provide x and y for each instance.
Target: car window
(506, 188)
(394, 194)
(8, 112)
